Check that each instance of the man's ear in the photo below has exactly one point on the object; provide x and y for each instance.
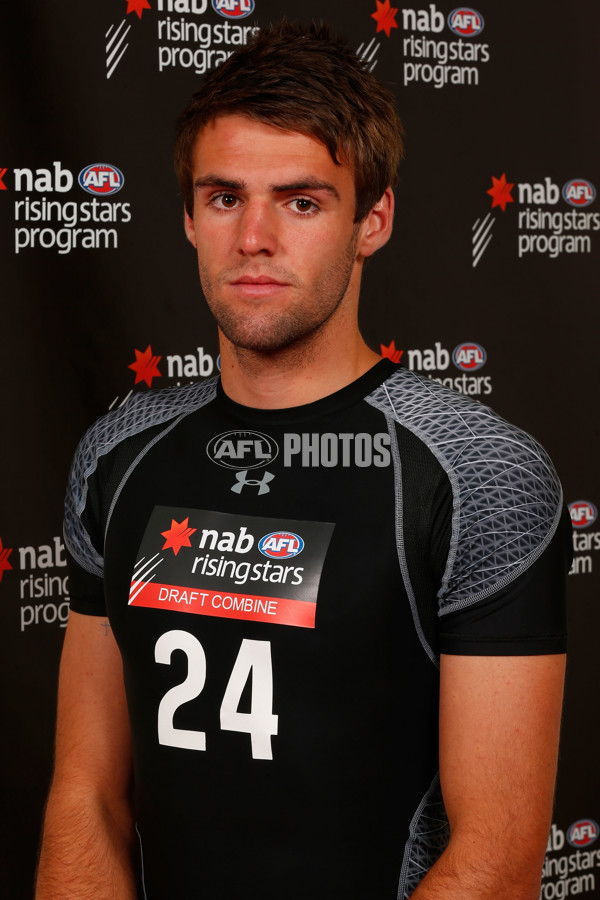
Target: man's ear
(376, 229)
(188, 225)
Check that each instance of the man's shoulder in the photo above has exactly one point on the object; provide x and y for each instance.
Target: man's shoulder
(457, 428)
(143, 412)
(130, 428)
(411, 397)
(507, 495)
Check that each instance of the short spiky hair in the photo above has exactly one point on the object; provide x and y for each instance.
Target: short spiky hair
(304, 80)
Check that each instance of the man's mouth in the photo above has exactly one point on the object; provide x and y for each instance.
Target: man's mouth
(258, 279)
(258, 286)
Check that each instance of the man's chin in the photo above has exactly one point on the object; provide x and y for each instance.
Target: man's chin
(263, 344)
(272, 337)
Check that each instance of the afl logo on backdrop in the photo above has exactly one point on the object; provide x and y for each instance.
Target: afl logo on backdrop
(583, 833)
(469, 357)
(579, 192)
(233, 9)
(100, 178)
(583, 513)
(242, 449)
(465, 22)
(281, 545)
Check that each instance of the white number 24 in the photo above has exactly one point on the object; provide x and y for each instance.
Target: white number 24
(253, 659)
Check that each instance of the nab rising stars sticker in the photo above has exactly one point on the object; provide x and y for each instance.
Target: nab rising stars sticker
(231, 566)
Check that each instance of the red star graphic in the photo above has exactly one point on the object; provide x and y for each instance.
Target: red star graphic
(178, 535)
(390, 352)
(2, 174)
(385, 16)
(5, 566)
(145, 366)
(500, 192)
(137, 6)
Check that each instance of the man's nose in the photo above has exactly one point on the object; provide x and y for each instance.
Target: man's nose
(258, 230)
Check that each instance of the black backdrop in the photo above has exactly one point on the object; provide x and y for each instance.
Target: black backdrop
(489, 283)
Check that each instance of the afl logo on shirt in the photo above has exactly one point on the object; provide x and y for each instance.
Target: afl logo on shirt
(242, 449)
(469, 357)
(281, 545)
(101, 179)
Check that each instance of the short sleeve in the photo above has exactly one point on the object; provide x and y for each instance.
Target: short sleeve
(508, 545)
(86, 591)
(525, 617)
(100, 465)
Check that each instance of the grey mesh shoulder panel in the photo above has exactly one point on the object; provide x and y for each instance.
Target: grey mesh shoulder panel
(507, 496)
(140, 412)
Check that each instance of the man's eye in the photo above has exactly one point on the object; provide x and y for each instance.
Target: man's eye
(225, 201)
(302, 205)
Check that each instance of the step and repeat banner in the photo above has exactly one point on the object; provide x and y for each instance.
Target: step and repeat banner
(489, 285)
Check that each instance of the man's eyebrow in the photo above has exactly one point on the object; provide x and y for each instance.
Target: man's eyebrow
(218, 181)
(306, 184)
(302, 184)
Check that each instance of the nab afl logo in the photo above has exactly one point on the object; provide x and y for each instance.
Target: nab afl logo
(233, 9)
(469, 357)
(465, 22)
(583, 513)
(281, 545)
(101, 179)
(242, 449)
(583, 833)
(579, 192)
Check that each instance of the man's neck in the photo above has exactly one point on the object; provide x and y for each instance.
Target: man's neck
(293, 376)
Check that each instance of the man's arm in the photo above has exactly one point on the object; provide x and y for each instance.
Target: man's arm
(499, 730)
(88, 830)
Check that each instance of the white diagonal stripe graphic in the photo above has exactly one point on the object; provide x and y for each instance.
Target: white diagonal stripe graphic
(483, 249)
(108, 74)
(144, 583)
(483, 224)
(366, 50)
(479, 238)
(377, 46)
(481, 232)
(111, 56)
(147, 567)
(115, 35)
(144, 577)
(365, 53)
(114, 52)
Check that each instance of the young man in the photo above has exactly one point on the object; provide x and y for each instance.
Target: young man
(316, 568)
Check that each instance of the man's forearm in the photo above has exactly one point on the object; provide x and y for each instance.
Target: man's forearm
(471, 876)
(86, 850)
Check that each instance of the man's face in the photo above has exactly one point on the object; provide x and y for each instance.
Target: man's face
(274, 231)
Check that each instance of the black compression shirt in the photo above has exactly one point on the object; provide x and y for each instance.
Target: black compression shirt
(281, 584)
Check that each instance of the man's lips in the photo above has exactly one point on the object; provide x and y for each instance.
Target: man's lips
(258, 279)
(256, 286)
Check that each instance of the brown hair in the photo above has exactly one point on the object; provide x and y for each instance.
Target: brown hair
(304, 80)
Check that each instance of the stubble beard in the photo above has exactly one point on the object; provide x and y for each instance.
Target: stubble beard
(269, 330)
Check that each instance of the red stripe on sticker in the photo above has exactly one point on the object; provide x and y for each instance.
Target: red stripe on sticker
(252, 607)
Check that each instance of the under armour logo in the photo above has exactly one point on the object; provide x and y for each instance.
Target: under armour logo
(262, 485)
